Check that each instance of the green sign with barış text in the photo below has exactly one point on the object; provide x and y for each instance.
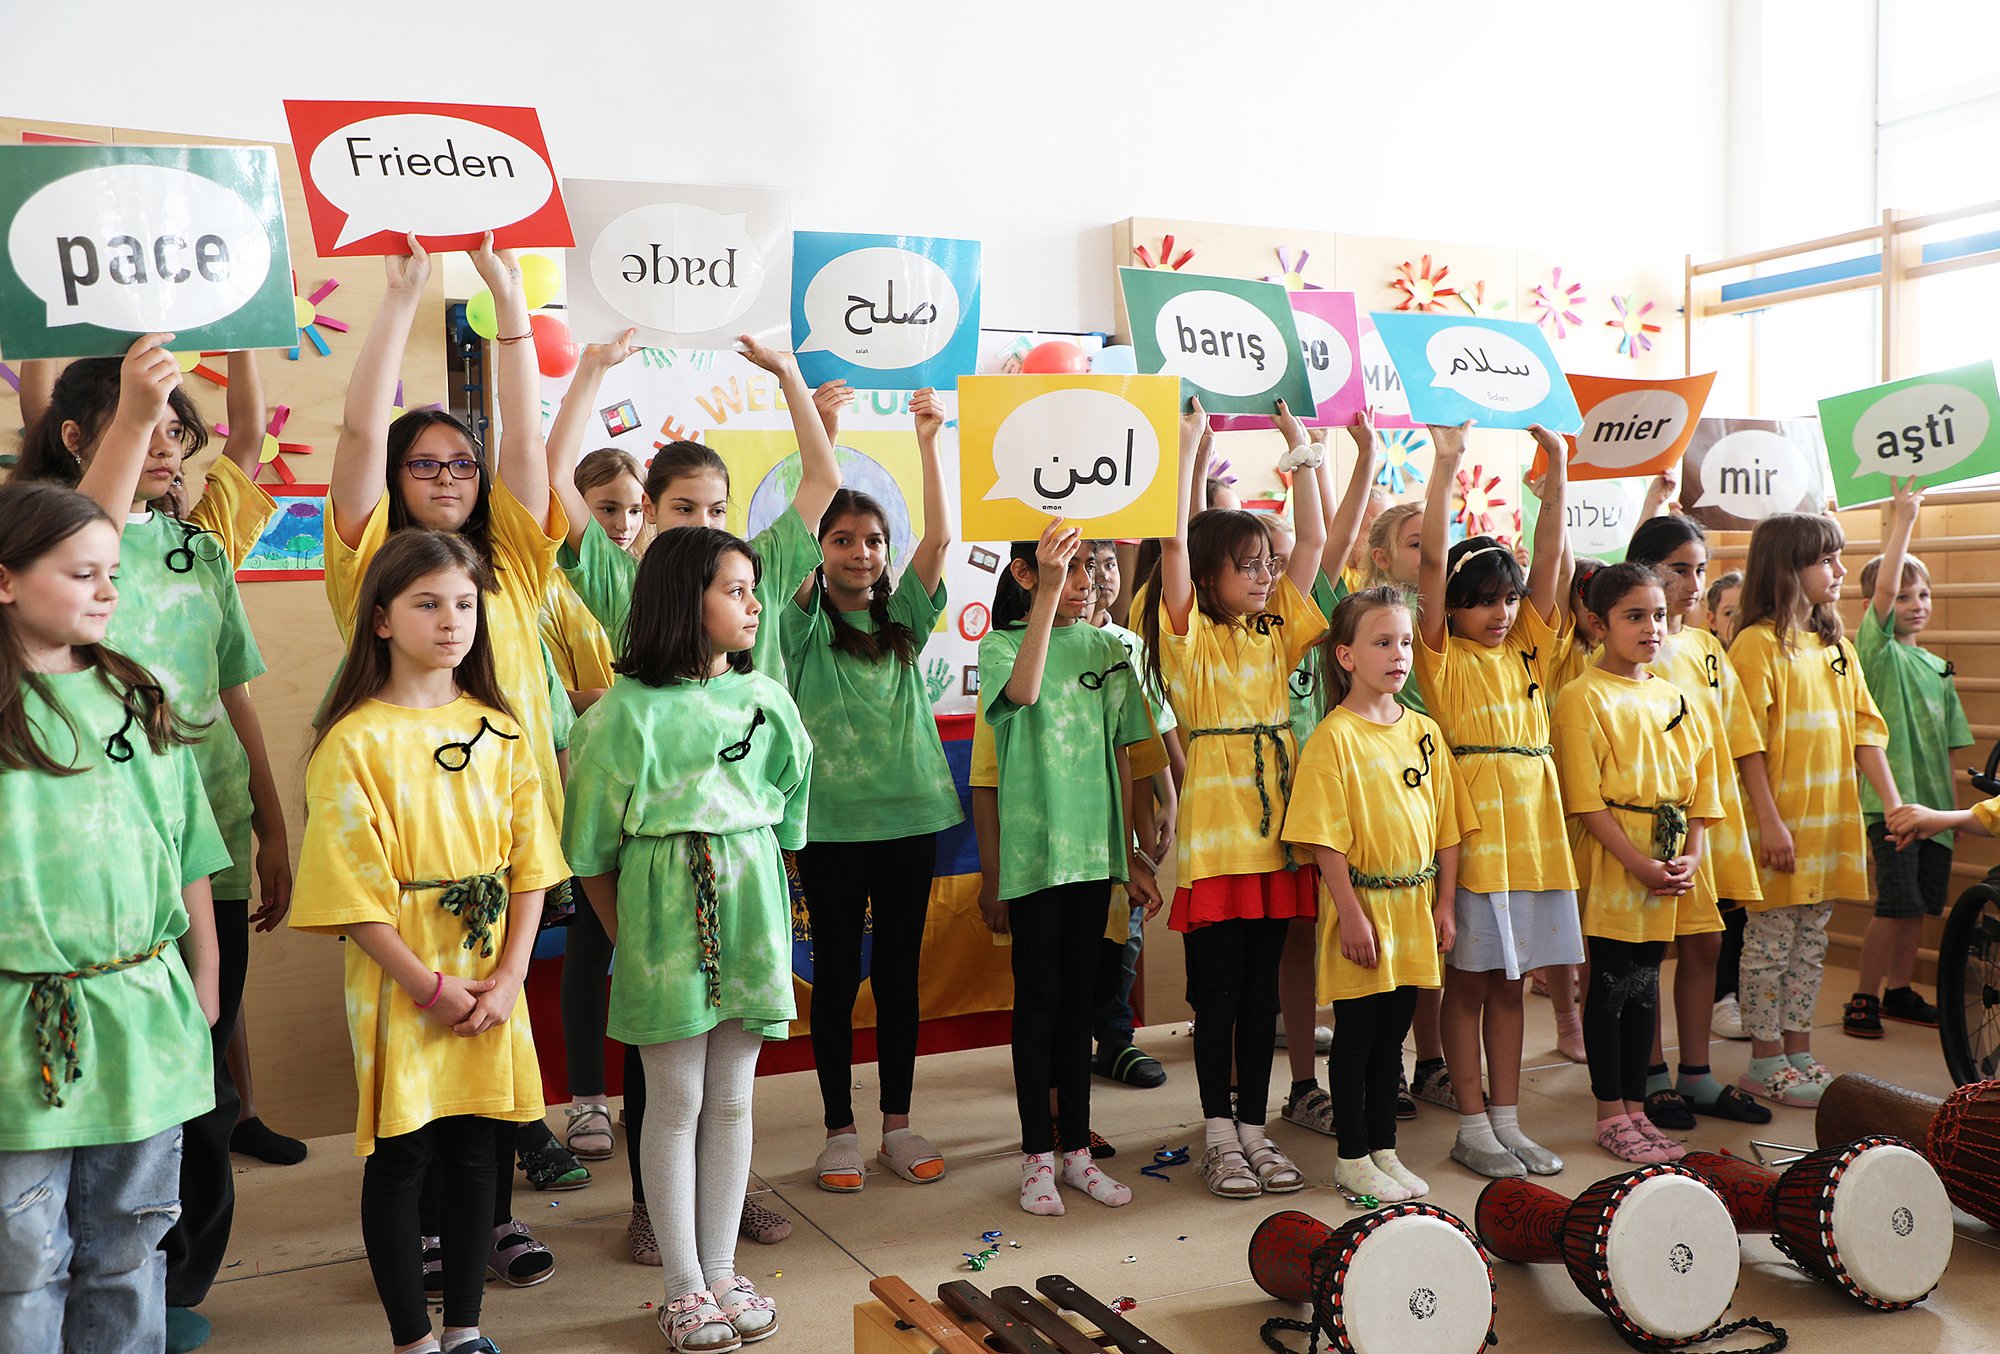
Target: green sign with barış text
(1233, 342)
(1940, 428)
(104, 243)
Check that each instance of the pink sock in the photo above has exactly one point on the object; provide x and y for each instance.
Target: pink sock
(1038, 1184)
(1080, 1172)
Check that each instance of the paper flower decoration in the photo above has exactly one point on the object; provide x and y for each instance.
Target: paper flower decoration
(1167, 259)
(305, 309)
(11, 377)
(1293, 274)
(1476, 502)
(274, 451)
(1477, 304)
(1422, 289)
(1554, 305)
(396, 409)
(1399, 469)
(1632, 327)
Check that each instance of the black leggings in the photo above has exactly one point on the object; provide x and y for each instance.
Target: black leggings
(195, 1245)
(635, 1119)
(1055, 967)
(883, 887)
(1364, 1067)
(585, 999)
(1730, 960)
(1618, 1015)
(506, 1139)
(392, 1185)
(1233, 986)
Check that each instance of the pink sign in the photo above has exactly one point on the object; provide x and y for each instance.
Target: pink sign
(1378, 377)
(1329, 341)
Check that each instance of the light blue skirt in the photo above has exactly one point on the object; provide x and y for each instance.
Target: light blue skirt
(1516, 932)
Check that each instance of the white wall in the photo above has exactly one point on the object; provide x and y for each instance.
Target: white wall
(1032, 125)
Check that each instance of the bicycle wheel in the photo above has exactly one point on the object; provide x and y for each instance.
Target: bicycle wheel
(1969, 985)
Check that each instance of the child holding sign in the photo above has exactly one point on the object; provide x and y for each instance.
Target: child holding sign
(1813, 722)
(1487, 637)
(1226, 631)
(1376, 801)
(1926, 722)
(1639, 780)
(107, 954)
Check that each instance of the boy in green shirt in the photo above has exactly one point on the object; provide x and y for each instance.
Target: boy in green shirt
(1926, 722)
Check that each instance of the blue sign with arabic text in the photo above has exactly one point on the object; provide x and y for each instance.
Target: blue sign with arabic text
(1498, 373)
(885, 312)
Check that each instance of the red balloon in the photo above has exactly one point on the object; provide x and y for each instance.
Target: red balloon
(555, 351)
(1057, 357)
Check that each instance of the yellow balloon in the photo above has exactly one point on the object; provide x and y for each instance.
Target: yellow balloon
(540, 279)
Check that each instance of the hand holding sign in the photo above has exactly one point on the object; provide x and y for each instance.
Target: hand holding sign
(1939, 428)
(927, 410)
(1053, 552)
(830, 397)
(147, 377)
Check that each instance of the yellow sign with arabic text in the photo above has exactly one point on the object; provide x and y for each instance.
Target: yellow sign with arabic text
(1100, 451)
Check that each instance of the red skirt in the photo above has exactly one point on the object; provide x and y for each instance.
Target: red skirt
(1278, 895)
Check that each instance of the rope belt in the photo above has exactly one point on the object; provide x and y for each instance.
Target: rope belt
(1670, 826)
(52, 1001)
(1257, 733)
(1392, 881)
(708, 941)
(477, 900)
(1473, 749)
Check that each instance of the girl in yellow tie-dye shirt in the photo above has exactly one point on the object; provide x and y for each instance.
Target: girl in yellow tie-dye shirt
(429, 846)
(1223, 638)
(1488, 636)
(1812, 723)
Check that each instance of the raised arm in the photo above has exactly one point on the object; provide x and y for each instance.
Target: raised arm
(244, 447)
(928, 411)
(1434, 548)
(1308, 518)
(819, 472)
(523, 464)
(1344, 526)
(1053, 554)
(1662, 495)
(572, 420)
(146, 379)
(1548, 579)
(361, 454)
(1896, 549)
(1176, 583)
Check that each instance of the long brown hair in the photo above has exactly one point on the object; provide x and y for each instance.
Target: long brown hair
(1780, 546)
(891, 636)
(403, 435)
(35, 518)
(86, 394)
(665, 640)
(407, 556)
(1341, 628)
(1213, 539)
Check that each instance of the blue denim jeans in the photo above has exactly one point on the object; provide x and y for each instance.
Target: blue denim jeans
(80, 1229)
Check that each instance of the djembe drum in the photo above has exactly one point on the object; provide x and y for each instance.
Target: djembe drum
(1960, 1134)
(1654, 1249)
(1406, 1279)
(1869, 1217)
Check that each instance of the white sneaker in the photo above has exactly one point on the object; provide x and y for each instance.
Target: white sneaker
(1727, 1019)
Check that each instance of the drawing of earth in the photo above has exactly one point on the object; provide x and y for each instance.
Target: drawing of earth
(858, 471)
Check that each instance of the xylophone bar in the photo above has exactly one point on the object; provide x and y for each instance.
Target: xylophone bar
(1043, 1318)
(909, 1307)
(1011, 1335)
(1117, 1330)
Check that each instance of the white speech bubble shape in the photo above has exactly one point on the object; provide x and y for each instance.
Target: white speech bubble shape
(880, 307)
(1379, 375)
(1754, 473)
(1221, 343)
(139, 248)
(1630, 428)
(1601, 514)
(1075, 453)
(1487, 367)
(1919, 430)
(678, 267)
(1329, 361)
(428, 174)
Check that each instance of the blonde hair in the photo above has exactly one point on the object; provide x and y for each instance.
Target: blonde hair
(1382, 537)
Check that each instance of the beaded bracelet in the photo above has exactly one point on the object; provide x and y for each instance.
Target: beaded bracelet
(439, 992)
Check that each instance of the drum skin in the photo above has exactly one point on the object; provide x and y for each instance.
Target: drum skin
(1870, 1218)
(1410, 1278)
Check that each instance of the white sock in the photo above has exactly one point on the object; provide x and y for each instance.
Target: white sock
(1392, 1166)
(1251, 1136)
(1359, 1175)
(428, 1345)
(1080, 1172)
(1506, 1121)
(1222, 1133)
(462, 1336)
(1038, 1184)
(1477, 1131)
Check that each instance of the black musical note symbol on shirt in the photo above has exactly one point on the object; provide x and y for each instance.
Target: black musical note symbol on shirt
(181, 558)
(1265, 622)
(1714, 667)
(118, 747)
(740, 749)
(1839, 662)
(1092, 681)
(1528, 657)
(1678, 717)
(458, 756)
(1413, 777)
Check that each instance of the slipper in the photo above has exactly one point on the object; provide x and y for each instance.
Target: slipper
(910, 1155)
(763, 1226)
(1734, 1106)
(1669, 1109)
(839, 1169)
